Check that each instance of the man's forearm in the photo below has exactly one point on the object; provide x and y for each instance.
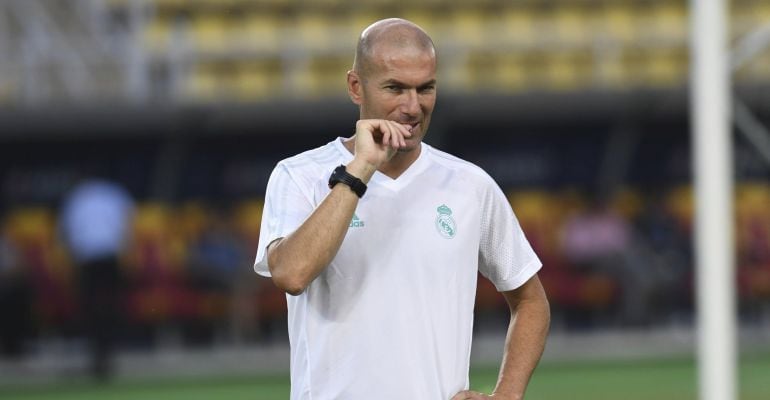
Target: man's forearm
(300, 257)
(524, 346)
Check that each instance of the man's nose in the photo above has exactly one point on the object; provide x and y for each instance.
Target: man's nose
(411, 103)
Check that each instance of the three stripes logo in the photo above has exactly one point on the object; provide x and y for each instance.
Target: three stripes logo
(356, 222)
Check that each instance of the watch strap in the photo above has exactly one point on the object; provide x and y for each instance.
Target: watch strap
(340, 174)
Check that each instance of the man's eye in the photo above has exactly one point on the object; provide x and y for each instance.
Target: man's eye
(393, 88)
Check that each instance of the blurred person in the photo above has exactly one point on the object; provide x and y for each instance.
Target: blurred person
(377, 239)
(215, 254)
(213, 272)
(666, 251)
(598, 243)
(95, 220)
(15, 301)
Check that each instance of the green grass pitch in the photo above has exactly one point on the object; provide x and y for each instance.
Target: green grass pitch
(644, 380)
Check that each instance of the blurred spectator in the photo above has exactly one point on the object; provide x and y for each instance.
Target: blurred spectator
(594, 241)
(95, 219)
(664, 246)
(216, 256)
(214, 260)
(15, 301)
(753, 250)
(597, 234)
(259, 307)
(41, 259)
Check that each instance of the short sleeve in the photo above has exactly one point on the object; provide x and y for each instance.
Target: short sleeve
(505, 256)
(286, 208)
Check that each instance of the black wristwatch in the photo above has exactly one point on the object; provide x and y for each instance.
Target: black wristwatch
(342, 175)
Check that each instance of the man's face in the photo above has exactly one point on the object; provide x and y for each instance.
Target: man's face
(398, 85)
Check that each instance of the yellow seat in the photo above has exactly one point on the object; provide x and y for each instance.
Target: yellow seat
(760, 10)
(511, 72)
(271, 3)
(518, 26)
(210, 82)
(627, 202)
(507, 73)
(570, 25)
(634, 70)
(680, 204)
(668, 21)
(30, 224)
(754, 198)
(610, 70)
(619, 22)
(157, 34)
(469, 26)
(260, 32)
(157, 244)
(325, 76)
(33, 231)
(533, 206)
(169, 5)
(486, 71)
(202, 84)
(257, 80)
(323, 3)
(193, 219)
(666, 67)
(210, 32)
(152, 219)
(740, 19)
(752, 219)
(247, 219)
(314, 30)
(758, 68)
(481, 70)
(568, 70)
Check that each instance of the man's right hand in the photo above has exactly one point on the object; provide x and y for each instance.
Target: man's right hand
(298, 258)
(376, 142)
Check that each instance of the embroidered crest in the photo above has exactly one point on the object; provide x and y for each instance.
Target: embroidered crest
(445, 224)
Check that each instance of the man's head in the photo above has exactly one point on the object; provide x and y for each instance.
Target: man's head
(394, 75)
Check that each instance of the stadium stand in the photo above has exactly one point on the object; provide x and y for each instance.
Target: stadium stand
(614, 44)
(194, 274)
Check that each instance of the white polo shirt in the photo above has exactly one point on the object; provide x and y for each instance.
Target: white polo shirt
(392, 315)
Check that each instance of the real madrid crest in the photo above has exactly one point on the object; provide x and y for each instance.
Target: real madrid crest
(445, 224)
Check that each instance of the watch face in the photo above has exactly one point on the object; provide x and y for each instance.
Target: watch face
(341, 175)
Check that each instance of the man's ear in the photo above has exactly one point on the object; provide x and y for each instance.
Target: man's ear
(355, 87)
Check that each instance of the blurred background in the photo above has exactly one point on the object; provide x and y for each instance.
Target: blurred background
(578, 108)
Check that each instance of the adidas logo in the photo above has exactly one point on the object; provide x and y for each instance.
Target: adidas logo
(356, 222)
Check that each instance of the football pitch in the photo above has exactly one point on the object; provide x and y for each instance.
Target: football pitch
(643, 380)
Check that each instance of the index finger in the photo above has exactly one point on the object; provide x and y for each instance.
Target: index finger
(398, 132)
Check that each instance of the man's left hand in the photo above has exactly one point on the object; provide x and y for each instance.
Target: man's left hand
(471, 395)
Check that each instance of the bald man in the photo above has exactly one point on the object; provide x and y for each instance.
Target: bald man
(378, 240)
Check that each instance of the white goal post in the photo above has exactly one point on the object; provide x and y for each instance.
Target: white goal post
(710, 102)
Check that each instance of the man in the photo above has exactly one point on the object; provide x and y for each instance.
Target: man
(380, 259)
(95, 221)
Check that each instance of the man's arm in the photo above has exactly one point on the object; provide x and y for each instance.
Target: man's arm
(524, 343)
(297, 259)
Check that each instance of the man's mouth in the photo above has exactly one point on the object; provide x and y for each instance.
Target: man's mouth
(410, 126)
